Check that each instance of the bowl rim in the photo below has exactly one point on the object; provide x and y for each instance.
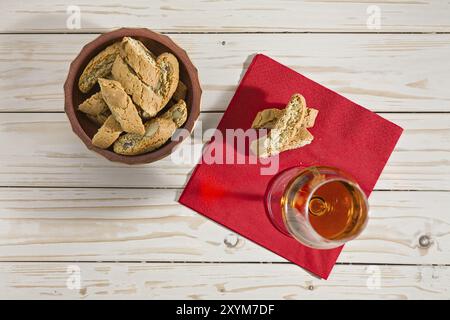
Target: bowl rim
(104, 40)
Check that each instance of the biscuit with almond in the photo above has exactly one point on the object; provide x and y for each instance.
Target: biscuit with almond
(140, 59)
(99, 67)
(288, 128)
(100, 118)
(121, 106)
(107, 134)
(142, 95)
(94, 105)
(169, 77)
(157, 132)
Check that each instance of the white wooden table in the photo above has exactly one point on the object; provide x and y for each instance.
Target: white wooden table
(63, 209)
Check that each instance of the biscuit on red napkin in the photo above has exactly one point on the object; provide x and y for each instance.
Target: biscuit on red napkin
(346, 136)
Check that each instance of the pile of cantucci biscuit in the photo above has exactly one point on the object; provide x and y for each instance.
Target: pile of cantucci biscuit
(288, 127)
(134, 87)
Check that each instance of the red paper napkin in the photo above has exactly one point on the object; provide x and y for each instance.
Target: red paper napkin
(346, 136)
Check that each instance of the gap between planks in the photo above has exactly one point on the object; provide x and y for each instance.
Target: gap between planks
(230, 16)
(224, 262)
(231, 33)
(179, 188)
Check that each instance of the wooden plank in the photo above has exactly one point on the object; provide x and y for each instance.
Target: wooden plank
(384, 72)
(149, 225)
(229, 16)
(41, 150)
(218, 281)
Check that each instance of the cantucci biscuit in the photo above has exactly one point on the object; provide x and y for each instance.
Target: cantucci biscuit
(288, 127)
(262, 147)
(107, 134)
(169, 77)
(99, 67)
(100, 118)
(157, 132)
(266, 118)
(142, 95)
(141, 60)
(94, 105)
(302, 138)
(310, 117)
(177, 113)
(121, 106)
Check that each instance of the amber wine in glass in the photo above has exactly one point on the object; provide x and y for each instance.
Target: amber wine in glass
(322, 207)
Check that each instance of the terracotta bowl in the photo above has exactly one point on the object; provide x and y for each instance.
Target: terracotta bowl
(157, 43)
